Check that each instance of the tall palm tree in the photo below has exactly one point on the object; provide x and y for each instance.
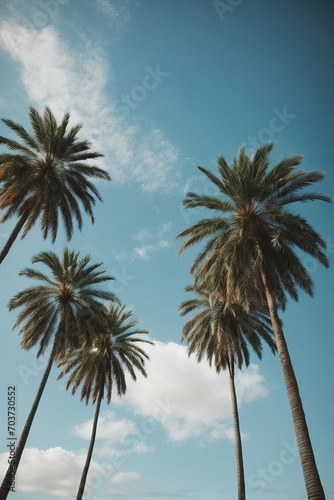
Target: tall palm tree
(223, 333)
(253, 237)
(101, 366)
(65, 308)
(46, 176)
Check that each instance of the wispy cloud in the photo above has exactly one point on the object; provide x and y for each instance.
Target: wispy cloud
(117, 12)
(152, 239)
(156, 232)
(125, 477)
(143, 252)
(189, 185)
(74, 79)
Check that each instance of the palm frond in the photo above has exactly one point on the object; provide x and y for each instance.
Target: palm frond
(49, 177)
(252, 229)
(113, 352)
(67, 307)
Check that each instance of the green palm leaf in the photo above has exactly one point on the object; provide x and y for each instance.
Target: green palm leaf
(252, 251)
(48, 178)
(63, 311)
(100, 367)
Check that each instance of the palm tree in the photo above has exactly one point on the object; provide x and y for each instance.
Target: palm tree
(46, 176)
(222, 333)
(253, 237)
(66, 308)
(101, 365)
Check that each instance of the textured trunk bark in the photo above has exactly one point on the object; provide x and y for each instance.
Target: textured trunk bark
(311, 476)
(5, 486)
(90, 450)
(237, 436)
(12, 237)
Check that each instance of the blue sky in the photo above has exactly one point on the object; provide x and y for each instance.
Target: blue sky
(161, 87)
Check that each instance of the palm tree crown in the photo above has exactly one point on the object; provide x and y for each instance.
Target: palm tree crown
(222, 332)
(252, 228)
(101, 365)
(65, 311)
(253, 242)
(47, 176)
(67, 303)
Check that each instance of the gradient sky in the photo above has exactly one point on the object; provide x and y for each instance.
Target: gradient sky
(160, 87)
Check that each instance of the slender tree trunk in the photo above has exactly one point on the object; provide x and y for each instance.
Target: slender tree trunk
(12, 237)
(237, 436)
(90, 450)
(12, 469)
(311, 476)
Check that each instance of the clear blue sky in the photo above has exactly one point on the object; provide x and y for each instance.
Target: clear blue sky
(161, 87)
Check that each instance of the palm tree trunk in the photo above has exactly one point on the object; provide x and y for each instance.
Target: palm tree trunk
(5, 486)
(12, 237)
(237, 435)
(90, 450)
(311, 476)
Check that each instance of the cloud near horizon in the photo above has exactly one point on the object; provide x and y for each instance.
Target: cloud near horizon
(53, 470)
(191, 402)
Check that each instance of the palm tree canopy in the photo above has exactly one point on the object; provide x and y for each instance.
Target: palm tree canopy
(45, 174)
(252, 228)
(68, 304)
(102, 364)
(223, 332)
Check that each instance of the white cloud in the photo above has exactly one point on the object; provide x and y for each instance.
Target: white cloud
(107, 8)
(142, 448)
(251, 387)
(143, 252)
(114, 438)
(54, 471)
(156, 232)
(188, 398)
(146, 252)
(71, 79)
(131, 446)
(163, 244)
(52, 73)
(115, 431)
(190, 181)
(157, 241)
(142, 234)
(125, 477)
